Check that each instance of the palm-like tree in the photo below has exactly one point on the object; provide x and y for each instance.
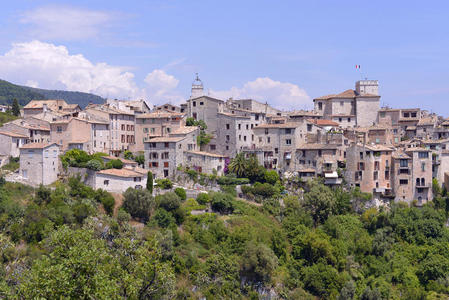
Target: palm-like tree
(237, 165)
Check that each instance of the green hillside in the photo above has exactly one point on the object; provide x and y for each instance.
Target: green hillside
(80, 98)
(9, 91)
(24, 94)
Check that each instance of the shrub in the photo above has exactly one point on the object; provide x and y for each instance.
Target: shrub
(163, 218)
(164, 183)
(106, 200)
(150, 182)
(83, 210)
(138, 203)
(231, 180)
(168, 201)
(265, 190)
(123, 216)
(247, 189)
(128, 155)
(271, 176)
(203, 198)
(193, 175)
(94, 164)
(222, 203)
(181, 193)
(114, 164)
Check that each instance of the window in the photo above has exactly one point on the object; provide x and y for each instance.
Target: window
(376, 165)
(165, 164)
(194, 116)
(136, 179)
(166, 145)
(266, 130)
(288, 131)
(403, 163)
(227, 148)
(194, 103)
(240, 137)
(123, 127)
(247, 126)
(244, 138)
(361, 166)
(382, 114)
(165, 155)
(349, 119)
(288, 141)
(260, 140)
(240, 126)
(227, 126)
(403, 181)
(377, 140)
(340, 120)
(201, 103)
(276, 150)
(309, 127)
(387, 175)
(423, 166)
(413, 114)
(319, 153)
(341, 103)
(375, 175)
(213, 147)
(227, 138)
(59, 129)
(423, 154)
(320, 105)
(106, 182)
(361, 155)
(123, 138)
(268, 140)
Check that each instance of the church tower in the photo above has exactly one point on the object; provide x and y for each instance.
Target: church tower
(197, 88)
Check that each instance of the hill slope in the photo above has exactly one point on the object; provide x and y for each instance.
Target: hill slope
(70, 97)
(25, 94)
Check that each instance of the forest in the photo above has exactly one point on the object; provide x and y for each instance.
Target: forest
(278, 241)
(24, 94)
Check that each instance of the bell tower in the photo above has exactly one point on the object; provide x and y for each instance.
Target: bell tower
(197, 88)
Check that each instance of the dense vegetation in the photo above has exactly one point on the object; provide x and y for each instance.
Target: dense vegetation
(24, 94)
(73, 242)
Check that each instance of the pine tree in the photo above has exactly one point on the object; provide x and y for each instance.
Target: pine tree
(150, 182)
(15, 108)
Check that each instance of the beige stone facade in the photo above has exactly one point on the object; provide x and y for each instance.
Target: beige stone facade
(39, 163)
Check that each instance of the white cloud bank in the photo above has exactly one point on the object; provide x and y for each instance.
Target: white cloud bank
(65, 23)
(49, 66)
(161, 87)
(283, 95)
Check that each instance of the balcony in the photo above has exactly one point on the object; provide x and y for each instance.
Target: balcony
(423, 185)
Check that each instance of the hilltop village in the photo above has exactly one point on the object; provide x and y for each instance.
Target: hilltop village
(347, 139)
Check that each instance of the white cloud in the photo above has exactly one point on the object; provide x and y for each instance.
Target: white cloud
(283, 95)
(65, 23)
(161, 87)
(50, 66)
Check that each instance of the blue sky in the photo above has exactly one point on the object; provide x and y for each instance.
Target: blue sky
(283, 52)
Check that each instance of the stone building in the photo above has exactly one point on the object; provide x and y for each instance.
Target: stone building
(278, 143)
(164, 154)
(205, 162)
(135, 107)
(233, 135)
(119, 180)
(10, 143)
(39, 163)
(38, 131)
(351, 108)
(88, 135)
(155, 124)
(35, 107)
(412, 172)
(318, 160)
(167, 107)
(121, 126)
(369, 167)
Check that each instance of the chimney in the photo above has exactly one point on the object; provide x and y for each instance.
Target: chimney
(45, 107)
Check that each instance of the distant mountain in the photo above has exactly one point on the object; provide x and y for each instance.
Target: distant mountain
(24, 94)
(82, 99)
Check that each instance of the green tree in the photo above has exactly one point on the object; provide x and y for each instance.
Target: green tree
(138, 203)
(271, 176)
(128, 154)
(203, 139)
(223, 203)
(237, 165)
(258, 262)
(319, 201)
(150, 182)
(15, 108)
(140, 159)
(181, 193)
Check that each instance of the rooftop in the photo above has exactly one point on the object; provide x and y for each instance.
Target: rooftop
(125, 172)
(37, 145)
(202, 153)
(166, 139)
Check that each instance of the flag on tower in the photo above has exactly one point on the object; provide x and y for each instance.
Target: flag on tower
(357, 66)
